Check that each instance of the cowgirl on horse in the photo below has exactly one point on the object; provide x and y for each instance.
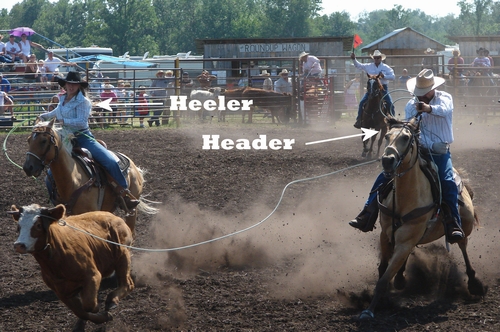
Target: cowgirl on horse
(73, 113)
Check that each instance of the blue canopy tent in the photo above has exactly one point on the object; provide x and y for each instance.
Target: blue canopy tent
(114, 60)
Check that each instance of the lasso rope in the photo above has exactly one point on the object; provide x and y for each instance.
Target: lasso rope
(63, 222)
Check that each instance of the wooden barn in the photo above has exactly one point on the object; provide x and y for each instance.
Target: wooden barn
(405, 48)
(270, 54)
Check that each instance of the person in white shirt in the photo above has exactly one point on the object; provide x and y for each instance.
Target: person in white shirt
(435, 108)
(13, 49)
(3, 55)
(311, 65)
(51, 64)
(374, 68)
(283, 84)
(25, 45)
(268, 82)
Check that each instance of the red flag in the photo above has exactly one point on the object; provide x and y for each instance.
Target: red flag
(357, 41)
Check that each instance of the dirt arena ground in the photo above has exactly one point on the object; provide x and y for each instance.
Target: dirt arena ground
(302, 268)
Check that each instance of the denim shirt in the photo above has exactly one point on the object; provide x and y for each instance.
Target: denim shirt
(74, 113)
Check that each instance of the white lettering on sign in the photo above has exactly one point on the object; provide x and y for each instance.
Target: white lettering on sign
(274, 47)
(179, 103)
(213, 142)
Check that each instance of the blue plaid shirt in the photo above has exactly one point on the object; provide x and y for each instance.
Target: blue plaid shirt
(74, 113)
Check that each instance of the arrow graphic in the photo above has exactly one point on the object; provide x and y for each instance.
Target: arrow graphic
(107, 106)
(367, 133)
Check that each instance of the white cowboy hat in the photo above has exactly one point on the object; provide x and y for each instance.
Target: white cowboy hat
(378, 53)
(302, 55)
(429, 51)
(284, 71)
(424, 82)
(265, 73)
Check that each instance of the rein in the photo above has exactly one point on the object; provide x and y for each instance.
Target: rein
(50, 132)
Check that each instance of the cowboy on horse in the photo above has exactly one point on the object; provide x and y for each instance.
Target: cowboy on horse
(436, 111)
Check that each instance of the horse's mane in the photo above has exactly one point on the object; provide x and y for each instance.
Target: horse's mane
(65, 135)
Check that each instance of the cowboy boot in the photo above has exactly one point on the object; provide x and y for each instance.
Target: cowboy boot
(129, 200)
(357, 124)
(365, 221)
(454, 232)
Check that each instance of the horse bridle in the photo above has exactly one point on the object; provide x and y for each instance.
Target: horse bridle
(50, 132)
(401, 156)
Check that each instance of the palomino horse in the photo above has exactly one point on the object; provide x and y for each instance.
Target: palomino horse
(374, 113)
(50, 146)
(407, 212)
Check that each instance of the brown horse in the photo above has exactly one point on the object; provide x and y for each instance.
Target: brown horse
(407, 212)
(374, 114)
(50, 146)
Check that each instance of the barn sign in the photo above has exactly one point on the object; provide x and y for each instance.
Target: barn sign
(273, 47)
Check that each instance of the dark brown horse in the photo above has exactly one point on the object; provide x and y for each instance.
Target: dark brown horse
(50, 146)
(374, 114)
(407, 216)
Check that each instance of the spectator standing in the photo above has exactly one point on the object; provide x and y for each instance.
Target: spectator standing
(350, 93)
(143, 109)
(403, 78)
(283, 84)
(186, 84)
(158, 91)
(430, 61)
(109, 93)
(205, 79)
(456, 63)
(268, 82)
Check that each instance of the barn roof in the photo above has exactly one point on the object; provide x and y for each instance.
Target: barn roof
(404, 38)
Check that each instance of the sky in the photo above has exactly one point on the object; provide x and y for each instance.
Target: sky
(437, 8)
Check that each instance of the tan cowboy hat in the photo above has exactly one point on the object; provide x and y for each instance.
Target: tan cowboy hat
(429, 51)
(424, 82)
(284, 71)
(265, 73)
(456, 52)
(160, 72)
(378, 53)
(303, 54)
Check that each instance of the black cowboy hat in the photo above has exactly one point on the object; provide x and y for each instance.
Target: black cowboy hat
(72, 77)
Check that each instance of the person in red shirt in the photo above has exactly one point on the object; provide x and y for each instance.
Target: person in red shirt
(109, 93)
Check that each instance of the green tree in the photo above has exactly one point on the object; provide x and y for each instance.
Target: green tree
(289, 18)
(476, 16)
(336, 24)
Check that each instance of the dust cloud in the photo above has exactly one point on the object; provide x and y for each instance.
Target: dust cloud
(309, 244)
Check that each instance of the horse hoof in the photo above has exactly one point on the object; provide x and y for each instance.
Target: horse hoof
(476, 287)
(400, 283)
(366, 315)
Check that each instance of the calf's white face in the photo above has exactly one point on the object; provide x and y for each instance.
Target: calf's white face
(29, 225)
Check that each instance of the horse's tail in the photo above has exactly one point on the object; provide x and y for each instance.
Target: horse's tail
(145, 205)
(466, 182)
